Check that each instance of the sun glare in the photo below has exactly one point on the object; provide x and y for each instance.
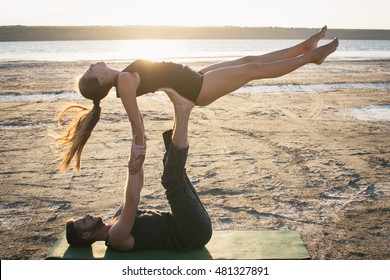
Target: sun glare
(150, 49)
(155, 49)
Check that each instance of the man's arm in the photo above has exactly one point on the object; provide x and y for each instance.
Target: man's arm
(119, 234)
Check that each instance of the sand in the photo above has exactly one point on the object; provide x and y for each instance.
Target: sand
(260, 161)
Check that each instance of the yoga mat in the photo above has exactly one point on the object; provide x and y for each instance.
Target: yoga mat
(231, 245)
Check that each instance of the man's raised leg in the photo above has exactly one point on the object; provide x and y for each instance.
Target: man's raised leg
(192, 222)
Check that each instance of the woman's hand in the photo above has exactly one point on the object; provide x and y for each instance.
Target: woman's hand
(137, 157)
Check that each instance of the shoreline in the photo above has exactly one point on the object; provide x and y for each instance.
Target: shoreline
(16, 77)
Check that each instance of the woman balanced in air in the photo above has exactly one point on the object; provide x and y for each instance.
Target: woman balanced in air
(202, 88)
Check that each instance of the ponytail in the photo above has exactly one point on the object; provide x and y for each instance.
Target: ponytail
(73, 140)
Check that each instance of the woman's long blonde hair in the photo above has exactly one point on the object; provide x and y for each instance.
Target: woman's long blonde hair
(73, 140)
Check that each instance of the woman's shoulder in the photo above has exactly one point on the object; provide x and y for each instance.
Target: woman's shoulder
(127, 81)
(126, 77)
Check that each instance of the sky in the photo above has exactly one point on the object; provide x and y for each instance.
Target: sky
(349, 14)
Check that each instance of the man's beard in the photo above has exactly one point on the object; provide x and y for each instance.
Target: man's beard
(98, 225)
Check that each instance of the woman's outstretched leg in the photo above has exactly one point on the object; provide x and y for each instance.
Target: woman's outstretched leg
(302, 48)
(222, 81)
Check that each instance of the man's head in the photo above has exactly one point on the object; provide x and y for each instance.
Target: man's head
(84, 231)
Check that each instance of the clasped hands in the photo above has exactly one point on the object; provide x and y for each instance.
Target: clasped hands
(137, 157)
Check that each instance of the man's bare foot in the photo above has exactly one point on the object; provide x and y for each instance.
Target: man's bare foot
(180, 103)
(324, 51)
(183, 108)
(312, 42)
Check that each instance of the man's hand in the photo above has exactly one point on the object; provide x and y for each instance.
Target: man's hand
(136, 158)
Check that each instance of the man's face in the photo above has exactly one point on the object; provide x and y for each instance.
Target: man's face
(88, 223)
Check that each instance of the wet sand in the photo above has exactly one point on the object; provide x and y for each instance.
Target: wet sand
(259, 161)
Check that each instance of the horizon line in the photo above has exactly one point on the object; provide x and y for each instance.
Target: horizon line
(192, 26)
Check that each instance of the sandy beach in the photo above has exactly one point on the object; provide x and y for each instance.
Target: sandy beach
(260, 161)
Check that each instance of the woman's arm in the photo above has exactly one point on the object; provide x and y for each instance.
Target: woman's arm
(119, 234)
(127, 86)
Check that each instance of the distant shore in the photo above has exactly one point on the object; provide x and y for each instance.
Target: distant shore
(62, 33)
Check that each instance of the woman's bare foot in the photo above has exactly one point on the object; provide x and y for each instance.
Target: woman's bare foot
(324, 51)
(312, 42)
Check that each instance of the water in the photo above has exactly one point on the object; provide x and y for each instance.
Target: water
(175, 50)
(371, 113)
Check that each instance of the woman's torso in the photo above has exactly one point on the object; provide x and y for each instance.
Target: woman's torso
(157, 75)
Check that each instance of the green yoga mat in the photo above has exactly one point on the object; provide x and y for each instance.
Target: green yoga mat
(231, 245)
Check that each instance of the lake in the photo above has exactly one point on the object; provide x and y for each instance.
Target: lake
(175, 50)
